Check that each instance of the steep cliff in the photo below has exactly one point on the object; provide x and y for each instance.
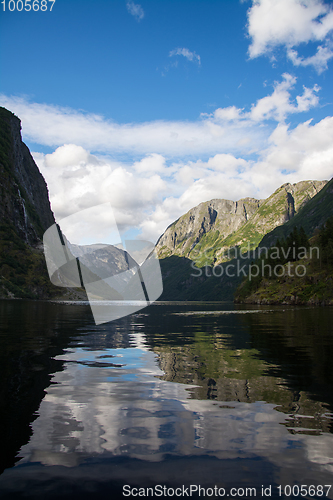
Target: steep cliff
(25, 214)
(280, 208)
(24, 194)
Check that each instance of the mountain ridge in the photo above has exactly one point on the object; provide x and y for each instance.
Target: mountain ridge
(205, 277)
(203, 218)
(213, 227)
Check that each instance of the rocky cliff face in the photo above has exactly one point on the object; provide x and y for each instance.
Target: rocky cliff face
(208, 231)
(24, 194)
(224, 216)
(25, 214)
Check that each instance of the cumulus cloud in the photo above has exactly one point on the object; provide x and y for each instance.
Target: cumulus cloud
(301, 153)
(78, 180)
(230, 113)
(135, 10)
(273, 23)
(319, 60)
(278, 105)
(275, 106)
(53, 126)
(191, 56)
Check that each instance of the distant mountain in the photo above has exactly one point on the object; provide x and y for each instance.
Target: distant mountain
(105, 261)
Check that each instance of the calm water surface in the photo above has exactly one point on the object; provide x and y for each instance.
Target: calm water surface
(207, 394)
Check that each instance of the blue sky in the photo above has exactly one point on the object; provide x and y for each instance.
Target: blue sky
(97, 57)
(157, 105)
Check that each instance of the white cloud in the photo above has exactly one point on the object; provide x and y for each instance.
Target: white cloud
(319, 60)
(54, 126)
(135, 10)
(305, 152)
(191, 56)
(230, 113)
(151, 163)
(78, 180)
(278, 105)
(273, 23)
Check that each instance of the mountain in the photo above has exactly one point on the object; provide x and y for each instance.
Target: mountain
(103, 260)
(197, 250)
(206, 232)
(25, 214)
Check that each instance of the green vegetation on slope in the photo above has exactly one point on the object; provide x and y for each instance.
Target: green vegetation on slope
(182, 280)
(297, 280)
(276, 210)
(23, 272)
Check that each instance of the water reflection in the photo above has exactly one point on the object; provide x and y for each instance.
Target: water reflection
(177, 382)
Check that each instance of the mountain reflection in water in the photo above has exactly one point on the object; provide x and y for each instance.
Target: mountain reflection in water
(176, 394)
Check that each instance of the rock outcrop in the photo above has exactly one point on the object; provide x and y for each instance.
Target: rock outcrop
(314, 284)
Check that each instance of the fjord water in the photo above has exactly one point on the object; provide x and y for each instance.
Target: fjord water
(207, 394)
